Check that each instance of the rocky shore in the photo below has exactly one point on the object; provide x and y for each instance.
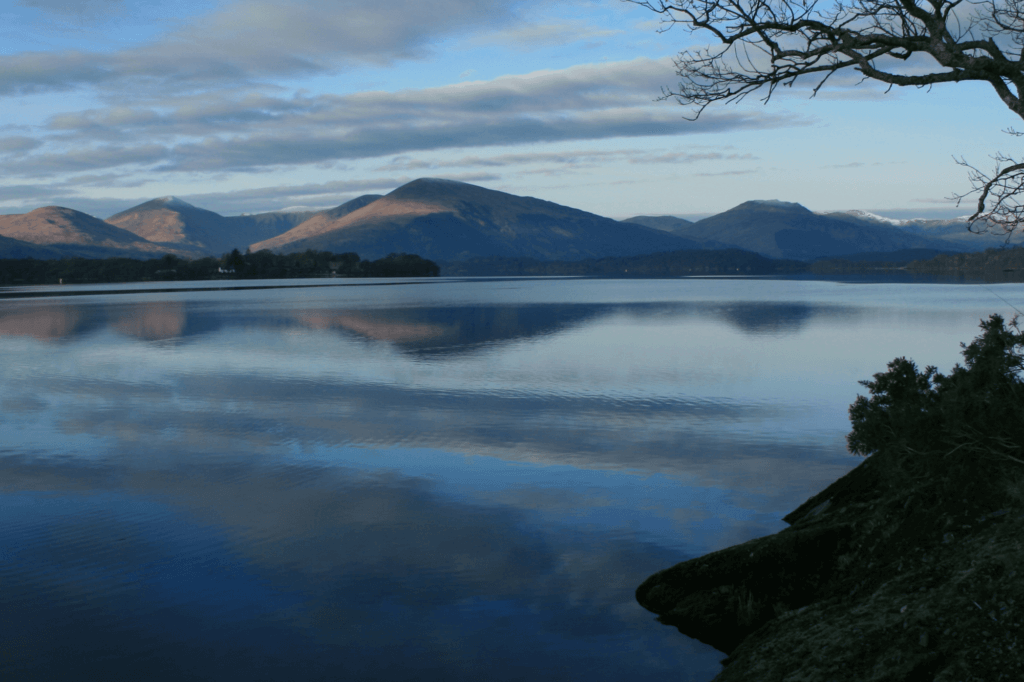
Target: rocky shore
(903, 570)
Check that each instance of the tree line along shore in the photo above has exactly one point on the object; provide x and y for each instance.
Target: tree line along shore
(993, 265)
(234, 265)
(1005, 264)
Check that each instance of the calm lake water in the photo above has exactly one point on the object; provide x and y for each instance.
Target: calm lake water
(429, 479)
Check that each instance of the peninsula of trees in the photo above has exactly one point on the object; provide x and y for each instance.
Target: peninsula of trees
(235, 265)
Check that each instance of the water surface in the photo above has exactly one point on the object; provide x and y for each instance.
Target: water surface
(440, 479)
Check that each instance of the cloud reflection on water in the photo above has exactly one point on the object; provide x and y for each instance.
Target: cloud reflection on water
(372, 574)
(293, 483)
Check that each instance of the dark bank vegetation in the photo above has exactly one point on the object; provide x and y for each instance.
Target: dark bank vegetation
(871, 261)
(994, 265)
(991, 265)
(666, 264)
(909, 567)
(234, 265)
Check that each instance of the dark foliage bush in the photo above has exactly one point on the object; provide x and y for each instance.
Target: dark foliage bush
(977, 410)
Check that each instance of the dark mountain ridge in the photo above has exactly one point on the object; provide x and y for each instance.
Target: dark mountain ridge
(172, 222)
(665, 223)
(455, 221)
(450, 220)
(953, 231)
(780, 229)
(16, 248)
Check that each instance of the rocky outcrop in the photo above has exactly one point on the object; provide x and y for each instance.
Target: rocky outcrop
(882, 576)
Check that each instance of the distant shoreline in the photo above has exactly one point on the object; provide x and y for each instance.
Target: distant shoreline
(53, 291)
(992, 266)
(230, 267)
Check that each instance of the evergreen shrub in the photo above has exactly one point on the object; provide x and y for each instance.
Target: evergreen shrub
(969, 419)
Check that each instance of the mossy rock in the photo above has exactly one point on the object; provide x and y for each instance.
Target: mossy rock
(877, 579)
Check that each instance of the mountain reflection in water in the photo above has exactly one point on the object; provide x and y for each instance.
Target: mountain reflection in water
(44, 322)
(455, 481)
(458, 329)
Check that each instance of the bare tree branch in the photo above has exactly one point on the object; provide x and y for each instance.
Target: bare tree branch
(999, 201)
(763, 44)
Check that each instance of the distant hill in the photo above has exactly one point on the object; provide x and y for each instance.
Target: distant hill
(264, 225)
(665, 223)
(72, 233)
(174, 222)
(449, 220)
(317, 223)
(780, 229)
(954, 231)
(347, 207)
(681, 227)
(453, 221)
(16, 248)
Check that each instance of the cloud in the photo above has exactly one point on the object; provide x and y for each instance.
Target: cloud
(216, 154)
(75, 8)
(933, 200)
(34, 72)
(405, 163)
(690, 157)
(574, 158)
(94, 121)
(862, 164)
(89, 158)
(254, 132)
(18, 144)
(307, 196)
(650, 25)
(588, 87)
(532, 36)
(33, 193)
(299, 192)
(730, 172)
(247, 42)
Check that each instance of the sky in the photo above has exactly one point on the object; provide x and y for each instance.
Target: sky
(258, 105)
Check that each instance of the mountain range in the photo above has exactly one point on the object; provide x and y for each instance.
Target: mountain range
(780, 229)
(67, 232)
(449, 221)
(174, 223)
